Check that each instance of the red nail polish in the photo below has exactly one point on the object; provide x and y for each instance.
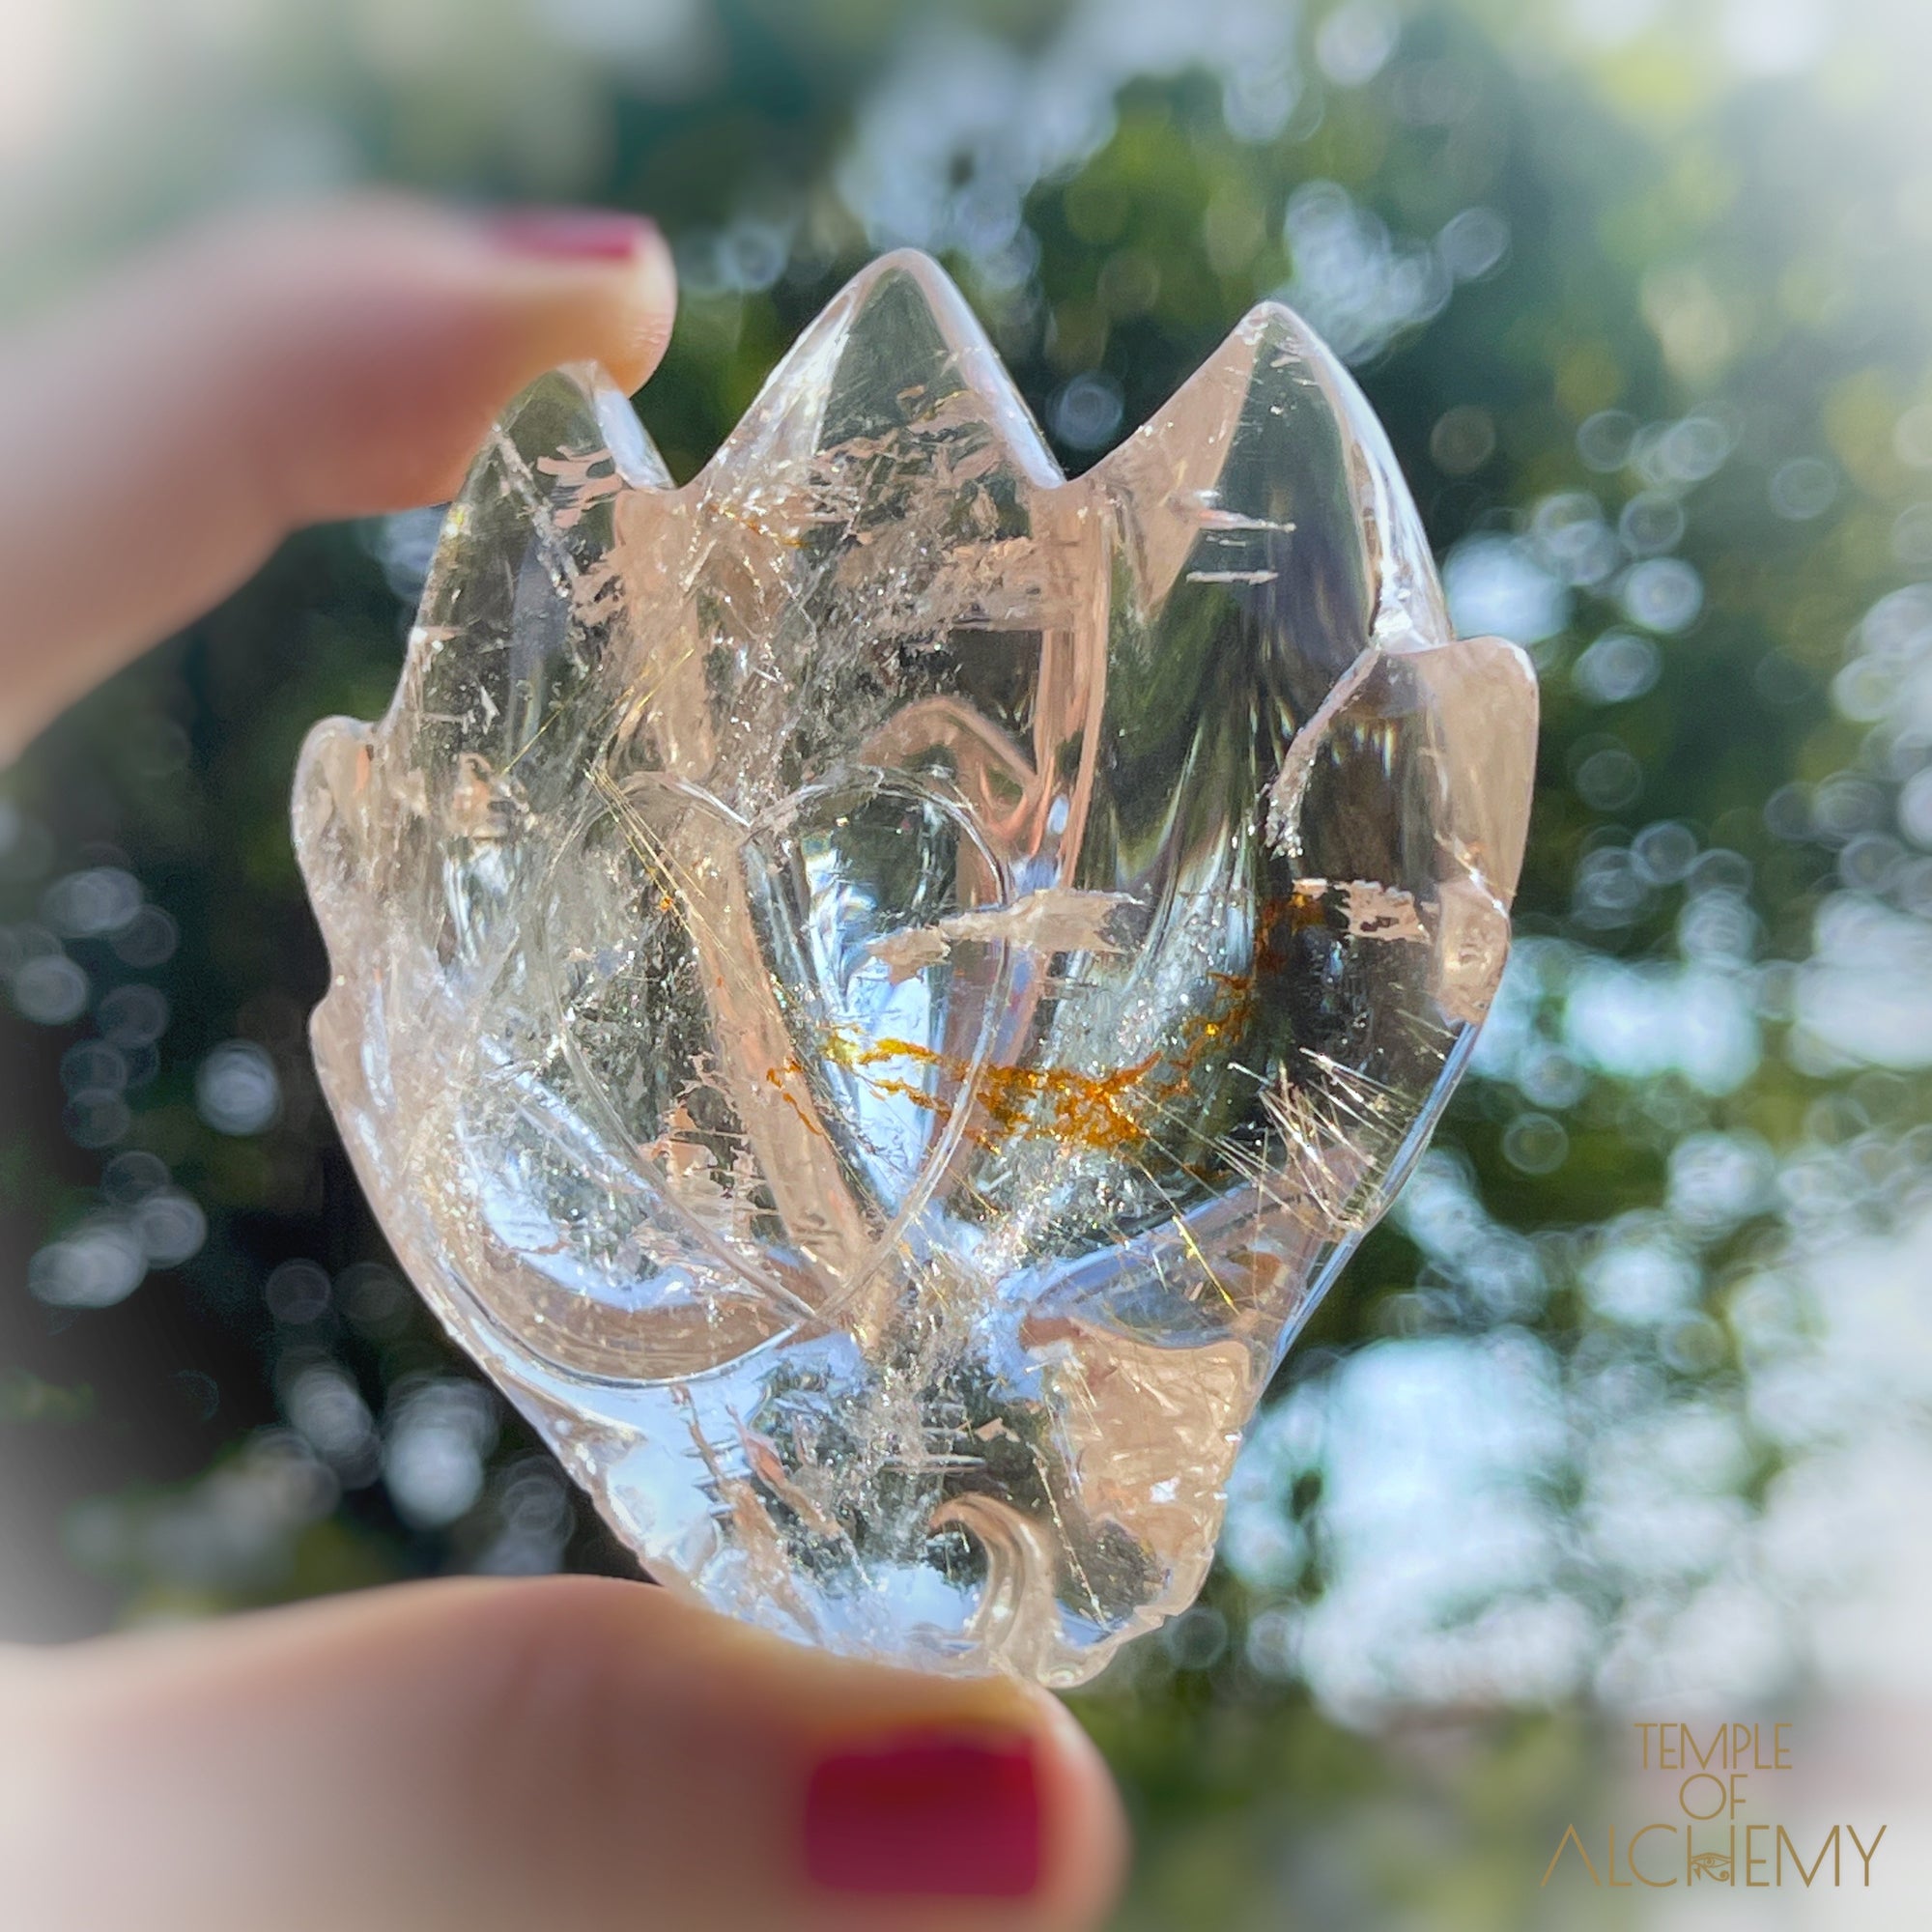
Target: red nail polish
(931, 1812)
(571, 234)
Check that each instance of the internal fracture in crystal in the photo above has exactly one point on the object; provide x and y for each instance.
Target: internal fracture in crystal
(875, 991)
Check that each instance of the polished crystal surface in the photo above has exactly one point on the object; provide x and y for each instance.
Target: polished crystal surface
(873, 992)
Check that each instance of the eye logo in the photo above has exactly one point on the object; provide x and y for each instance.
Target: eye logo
(875, 990)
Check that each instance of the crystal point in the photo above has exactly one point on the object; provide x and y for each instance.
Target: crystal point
(875, 991)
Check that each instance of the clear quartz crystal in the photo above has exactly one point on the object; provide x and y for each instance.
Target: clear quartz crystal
(875, 992)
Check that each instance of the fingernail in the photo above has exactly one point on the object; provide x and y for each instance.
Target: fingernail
(571, 234)
(926, 1812)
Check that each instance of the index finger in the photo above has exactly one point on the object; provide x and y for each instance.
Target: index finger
(272, 371)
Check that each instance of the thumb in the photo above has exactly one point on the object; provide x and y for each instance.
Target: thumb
(499, 1756)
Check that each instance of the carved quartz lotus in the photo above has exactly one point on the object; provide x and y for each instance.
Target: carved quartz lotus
(875, 991)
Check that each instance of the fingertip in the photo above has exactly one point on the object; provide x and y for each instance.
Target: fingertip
(646, 307)
(604, 283)
(434, 318)
(1088, 1825)
(520, 291)
(856, 1795)
(923, 1798)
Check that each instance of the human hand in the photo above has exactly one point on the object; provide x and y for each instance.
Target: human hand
(560, 1755)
